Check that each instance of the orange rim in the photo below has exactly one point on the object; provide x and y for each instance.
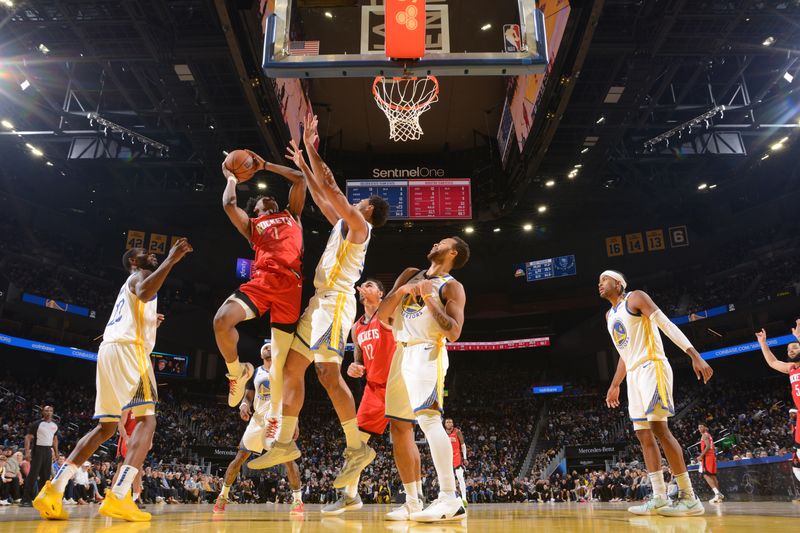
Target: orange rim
(395, 107)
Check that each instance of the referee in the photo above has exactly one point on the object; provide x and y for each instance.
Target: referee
(44, 453)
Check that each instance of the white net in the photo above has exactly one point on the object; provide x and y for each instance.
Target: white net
(403, 100)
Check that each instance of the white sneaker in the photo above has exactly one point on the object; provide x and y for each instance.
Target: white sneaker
(717, 498)
(683, 506)
(70, 501)
(344, 503)
(443, 509)
(404, 512)
(4, 502)
(236, 384)
(650, 507)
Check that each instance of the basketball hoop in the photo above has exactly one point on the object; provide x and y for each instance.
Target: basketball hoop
(403, 100)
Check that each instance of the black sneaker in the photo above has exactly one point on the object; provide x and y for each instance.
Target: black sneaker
(26, 504)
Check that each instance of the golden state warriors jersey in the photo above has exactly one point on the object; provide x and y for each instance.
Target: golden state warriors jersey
(342, 262)
(132, 320)
(414, 320)
(637, 338)
(263, 393)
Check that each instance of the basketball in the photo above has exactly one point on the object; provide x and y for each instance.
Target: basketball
(242, 164)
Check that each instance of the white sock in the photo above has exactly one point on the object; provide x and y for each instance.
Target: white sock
(234, 369)
(351, 433)
(657, 481)
(796, 472)
(716, 491)
(462, 485)
(441, 451)
(135, 496)
(286, 432)
(125, 479)
(225, 490)
(64, 474)
(281, 343)
(297, 495)
(411, 491)
(419, 489)
(685, 484)
(351, 490)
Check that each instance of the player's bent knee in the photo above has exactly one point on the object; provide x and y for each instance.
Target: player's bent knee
(328, 374)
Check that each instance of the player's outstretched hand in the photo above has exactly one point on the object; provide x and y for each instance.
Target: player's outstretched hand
(761, 336)
(355, 370)
(180, 249)
(796, 330)
(244, 411)
(310, 134)
(612, 397)
(701, 369)
(259, 161)
(294, 153)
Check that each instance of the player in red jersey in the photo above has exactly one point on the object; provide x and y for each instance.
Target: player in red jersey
(459, 455)
(793, 369)
(708, 462)
(275, 285)
(373, 349)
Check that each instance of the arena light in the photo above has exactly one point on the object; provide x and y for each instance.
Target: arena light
(7, 3)
(7, 124)
(585, 150)
(788, 77)
(36, 152)
(550, 183)
(769, 41)
(328, 14)
(573, 173)
(712, 186)
(601, 119)
(542, 208)
(486, 27)
(261, 185)
(765, 156)
(469, 229)
(24, 85)
(579, 165)
(49, 163)
(779, 145)
(496, 230)
(528, 227)
(43, 49)
(702, 186)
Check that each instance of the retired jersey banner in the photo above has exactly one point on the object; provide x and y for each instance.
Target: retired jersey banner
(158, 244)
(135, 239)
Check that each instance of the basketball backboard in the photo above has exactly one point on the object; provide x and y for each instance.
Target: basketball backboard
(463, 38)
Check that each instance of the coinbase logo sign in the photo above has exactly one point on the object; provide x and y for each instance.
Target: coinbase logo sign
(418, 172)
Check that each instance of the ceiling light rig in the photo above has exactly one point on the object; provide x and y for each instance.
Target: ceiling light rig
(688, 126)
(96, 121)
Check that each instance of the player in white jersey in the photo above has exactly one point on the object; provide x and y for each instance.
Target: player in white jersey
(322, 331)
(634, 322)
(125, 380)
(254, 409)
(428, 310)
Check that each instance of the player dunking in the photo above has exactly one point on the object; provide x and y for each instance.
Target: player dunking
(793, 370)
(322, 330)
(708, 462)
(125, 380)
(374, 347)
(633, 323)
(429, 310)
(276, 282)
(254, 439)
(459, 456)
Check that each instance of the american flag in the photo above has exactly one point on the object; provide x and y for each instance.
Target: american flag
(304, 48)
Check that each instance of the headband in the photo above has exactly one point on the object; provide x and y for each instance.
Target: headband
(613, 274)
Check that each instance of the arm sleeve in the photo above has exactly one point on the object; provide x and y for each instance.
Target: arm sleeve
(671, 330)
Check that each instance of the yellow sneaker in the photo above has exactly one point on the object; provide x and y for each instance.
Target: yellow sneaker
(49, 503)
(125, 508)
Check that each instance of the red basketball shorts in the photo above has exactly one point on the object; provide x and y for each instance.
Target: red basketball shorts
(278, 293)
(710, 465)
(372, 409)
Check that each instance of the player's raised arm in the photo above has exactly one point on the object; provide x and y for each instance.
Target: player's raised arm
(236, 214)
(641, 302)
(145, 285)
(449, 317)
(390, 302)
(329, 189)
(297, 192)
(294, 153)
(772, 361)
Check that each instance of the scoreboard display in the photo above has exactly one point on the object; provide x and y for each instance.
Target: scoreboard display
(422, 199)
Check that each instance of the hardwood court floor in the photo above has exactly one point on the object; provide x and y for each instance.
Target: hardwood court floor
(772, 517)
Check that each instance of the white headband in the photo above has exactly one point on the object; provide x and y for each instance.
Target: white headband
(615, 276)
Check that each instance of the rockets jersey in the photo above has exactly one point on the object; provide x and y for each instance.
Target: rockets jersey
(413, 319)
(456, 447)
(794, 381)
(278, 242)
(130, 425)
(636, 338)
(132, 320)
(712, 454)
(263, 393)
(377, 348)
(341, 263)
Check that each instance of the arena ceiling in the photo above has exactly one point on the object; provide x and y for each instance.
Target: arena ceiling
(186, 73)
